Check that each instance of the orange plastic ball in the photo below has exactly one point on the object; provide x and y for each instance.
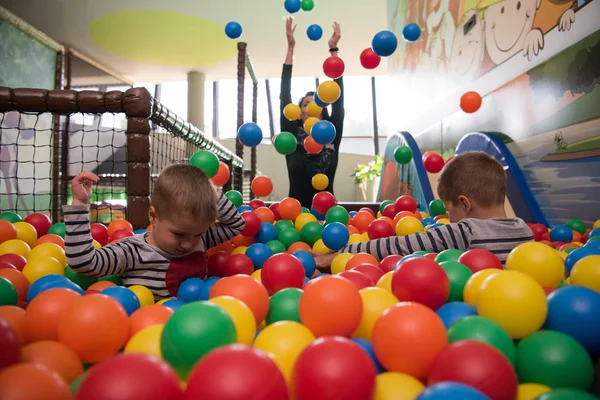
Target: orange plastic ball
(19, 280)
(226, 247)
(117, 225)
(241, 240)
(361, 258)
(289, 208)
(222, 176)
(311, 146)
(7, 231)
(55, 356)
(26, 381)
(362, 220)
(247, 289)
(45, 311)
(101, 285)
(262, 186)
(155, 314)
(15, 316)
(470, 102)
(51, 238)
(299, 246)
(265, 214)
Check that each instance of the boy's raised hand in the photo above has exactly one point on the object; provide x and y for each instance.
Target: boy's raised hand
(81, 186)
(323, 260)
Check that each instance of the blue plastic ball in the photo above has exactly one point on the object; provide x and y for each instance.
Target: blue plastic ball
(451, 390)
(335, 236)
(352, 214)
(233, 30)
(319, 102)
(406, 258)
(367, 346)
(577, 255)
(205, 289)
(64, 285)
(173, 304)
(318, 215)
(250, 134)
(561, 233)
(190, 290)
(124, 296)
(259, 253)
(427, 221)
(411, 32)
(436, 225)
(292, 6)
(323, 132)
(594, 232)
(384, 43)
(266, 233)
(138, 231)
(306, 280)
(449, 313)
(314, 32)
(308, 262)
(42, 283)
(243, 208)
(575, 311)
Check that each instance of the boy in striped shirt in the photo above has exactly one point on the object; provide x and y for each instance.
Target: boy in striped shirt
(183, 211)
(473, 189)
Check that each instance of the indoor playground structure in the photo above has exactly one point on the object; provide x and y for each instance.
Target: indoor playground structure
(262, 319)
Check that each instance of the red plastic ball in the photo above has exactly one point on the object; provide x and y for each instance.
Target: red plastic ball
(323, 201)
(275, 209)
(538, 231)
(256, 203)
(9, 343)
(4, 264)
(470, 102)
(357, 278)
(40, 222)
(131, 376)
(333, 67)
(236, 372)
(99, 233)
(478, 259)
(433, 163)
(368, 59)
(367, 209)
(438, 217)
(380, 229)
(373, 272)
(390, 211)
(406, 203)
(431, 256)
(253, 223)
(238, 264)
(14, 259)
(478, 365)
(389, 263)
(120, 234)
(217, 264)
(282, 271)
(333, 368)
(421, 280)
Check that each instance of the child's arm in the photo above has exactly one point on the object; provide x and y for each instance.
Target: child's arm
(229, 224)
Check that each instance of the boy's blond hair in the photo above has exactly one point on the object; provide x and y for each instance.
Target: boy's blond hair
(185, 190)
(474, 175)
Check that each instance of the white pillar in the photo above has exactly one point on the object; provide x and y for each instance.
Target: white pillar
(195, 105)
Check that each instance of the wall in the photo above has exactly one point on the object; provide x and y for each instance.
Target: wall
(537, 65)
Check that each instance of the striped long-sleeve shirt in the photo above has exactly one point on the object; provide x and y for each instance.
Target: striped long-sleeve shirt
(498, 235)
(136, 261)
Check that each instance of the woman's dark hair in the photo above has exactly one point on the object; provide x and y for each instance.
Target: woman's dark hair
(324, 113)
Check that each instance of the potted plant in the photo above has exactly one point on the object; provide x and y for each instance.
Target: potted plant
(366, 177)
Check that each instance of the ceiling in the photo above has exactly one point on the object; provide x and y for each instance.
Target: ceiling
(162, 40)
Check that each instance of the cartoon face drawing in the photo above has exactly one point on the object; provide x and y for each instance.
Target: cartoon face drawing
(467, 47)
(507, 26)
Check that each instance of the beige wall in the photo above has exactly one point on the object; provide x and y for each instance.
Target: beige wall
(272, 164)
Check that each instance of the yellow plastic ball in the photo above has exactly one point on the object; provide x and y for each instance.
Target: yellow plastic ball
(329, 91)
(408, 226)
(146, 341)
(375, 301)
(320, 247)
(313, 109)
(39, 267)
(283, 341)
(563, 255)
(320, 181)
(596, 224)
(443, 221)
(338, 264)
(424, 214)
(365, 236)
(530, 391)
(48, 250)
(241, 315)
(96, 244)
(261, 326)
(515, 301)
(303, 219)
(356, 238)
(579, 244)
(257, 275)
(474, 283)
(239, 250)
(586, 273)
(385, 282)
(567, 281)
(292, 112)
(539, 261)
(379, 214)
(15, 246)
(163, 301)
(143, 294)
(308, 124)
(396, 386)
(26, 232)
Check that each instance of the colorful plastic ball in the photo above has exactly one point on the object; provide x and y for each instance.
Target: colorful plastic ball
(41, 223)
(311, 232)
(335, 235)
(10, 217)
(436, 207)
(174, 304)
(318, 101)
(26, 232)
(262, 186)
(375, 301)
(221, 178)
(266, 233)
(455, 311)
(282, 271)
(451, 390)
(314, 32)
(288, 237)
(284, 306)
(285, 143)
(329, 92)
(411, 32)
(422, 281)
(238, 264)
(554, 359)
(9, 342)
(539, 261)
(586, 273)
(307, 5)
(206, 161)
(307, 260)
(395, 385)
(189, 290)
(470, 102)
(15, 246)
(258, 253)
(458, 275)
(448, 255)
(8, 293)
(574, 310)
(309, 123)
(7, 231)
(318, 215)
(479, 259)
(407, 337)
(561, 233)
(292, 6)
(29, 381)
(233, 30)
(333, 367)
(403, 155)
(384, 43)
(380, 229)
(486, 331)
(368, 59)
(320, 181)
(125, 297)
(40, 267)
(433, 162)
(473, 285)
(577, 255)
(313, 109)
(292, 112)
(44, 313)
(311, 146)
(250, 134)
(333, 67)
(241, 315)
(58, 229)
(367, 346)
(478, 365)
(18, 280)
(81, 280)
(567, 394)
(146, 341)
(515, 301)
(253, 223)
(246, 289)
(55, 356)
(531, 391)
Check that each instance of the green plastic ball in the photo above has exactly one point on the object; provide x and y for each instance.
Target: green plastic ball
(576, 225)
(288, 237)
(77, 382)
(58, 229)
(276, 246)
(192, 331)
(283, 224)
(10, 217)
(554, 359)
(311, 232)
(206, 161)
(486, 331)
(436, 207)
(458, 275)
(307, 5)
(305, 210)
(235, 197)
(566, 394)
(384, 204)
(112, 278)
(285, 143)
(448, 255)
(403, 155)
(8, 293)
(337, 214)
(421, 252)
(83, 281)
(284, 306)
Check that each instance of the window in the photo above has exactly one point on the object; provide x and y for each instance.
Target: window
(174, 97)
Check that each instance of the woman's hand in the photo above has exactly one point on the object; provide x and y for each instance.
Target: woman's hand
(81, 186)
(323, 260)
(335, 37)
(289, 32)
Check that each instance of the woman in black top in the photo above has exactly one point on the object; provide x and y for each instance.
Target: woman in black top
(301, 165)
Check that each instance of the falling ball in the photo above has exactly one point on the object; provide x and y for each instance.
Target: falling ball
(403, 155)
(384, 43)
(411, 32)
(368, 59)
(250, 134)
(470, 102)
(206, 161)
(307, 5)
(292, 6)
(314, 32)
(333, 67)
(233, 30)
